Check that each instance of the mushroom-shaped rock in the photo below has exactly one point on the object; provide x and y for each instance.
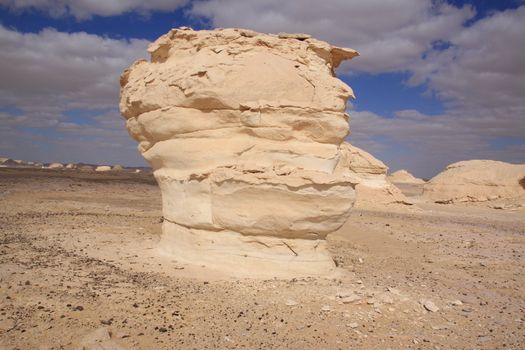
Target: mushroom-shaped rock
(242, 130)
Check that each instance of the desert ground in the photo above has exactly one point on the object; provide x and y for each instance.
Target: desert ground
(79, 268)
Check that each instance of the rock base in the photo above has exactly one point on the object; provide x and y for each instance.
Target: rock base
(246, 256)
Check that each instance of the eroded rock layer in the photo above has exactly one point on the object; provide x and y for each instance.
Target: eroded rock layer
(243, 131)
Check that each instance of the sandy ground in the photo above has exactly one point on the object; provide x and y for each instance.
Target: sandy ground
(78, 266)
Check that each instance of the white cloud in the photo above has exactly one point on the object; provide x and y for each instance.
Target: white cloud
(103, 141)
(426, 144)
(483, 67)
(481, 77)
(85, 9)
(46, 74)
(390, 35)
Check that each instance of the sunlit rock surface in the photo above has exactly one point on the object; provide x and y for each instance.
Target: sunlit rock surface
(373, 188)
(479, 181)
(243, 131)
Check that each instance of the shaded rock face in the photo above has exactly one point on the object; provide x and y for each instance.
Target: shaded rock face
(478, 181)
(243, 131)
(373, 188)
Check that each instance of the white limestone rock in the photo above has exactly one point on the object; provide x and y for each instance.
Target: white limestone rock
(56, 166)
(404, 177)
(373, 188)
(242, 130)
(478, 181)
(103, 168)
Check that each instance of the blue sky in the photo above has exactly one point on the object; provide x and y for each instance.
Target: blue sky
(436, 82)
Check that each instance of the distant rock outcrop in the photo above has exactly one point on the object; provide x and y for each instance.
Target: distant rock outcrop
(8, 162)
(102, 168)
(56, 166)
(403, 176)
(243, 131)
(369, 174)
(478, 181)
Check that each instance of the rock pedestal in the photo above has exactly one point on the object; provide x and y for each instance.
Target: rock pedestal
(243, 131)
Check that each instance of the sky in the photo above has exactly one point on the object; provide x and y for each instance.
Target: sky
(436, 81)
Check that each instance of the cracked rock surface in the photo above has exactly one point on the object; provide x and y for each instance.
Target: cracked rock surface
(244, 133)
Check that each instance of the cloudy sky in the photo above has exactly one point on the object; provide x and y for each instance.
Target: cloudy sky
(436, 82)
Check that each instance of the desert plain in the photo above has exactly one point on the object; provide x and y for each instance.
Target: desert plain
(80, 268)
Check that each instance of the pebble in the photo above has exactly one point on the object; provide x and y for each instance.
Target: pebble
(352, 325)
(350, 299)
(430, 306)
(325, 308)
(457, 303)
(291, 302)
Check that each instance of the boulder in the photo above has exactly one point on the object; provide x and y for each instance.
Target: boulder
(478, 181)
(242, 130)
(102, 168)
(56, 166)
(117, 167)
(373, 188)
(404, 177)
(71, 166)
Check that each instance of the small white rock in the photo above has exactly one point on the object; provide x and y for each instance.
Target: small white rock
(430, 306)
(291, 302)
(350, 299)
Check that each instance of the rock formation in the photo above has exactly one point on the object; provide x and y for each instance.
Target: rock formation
(404, 177)
(56, 166)
(102, 168)
(478, 181)
(369, 174)
(8, 162)
(243, 131)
